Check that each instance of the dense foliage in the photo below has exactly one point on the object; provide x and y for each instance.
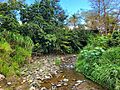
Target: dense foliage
(14, 51)
(100, 61)
(44, 22)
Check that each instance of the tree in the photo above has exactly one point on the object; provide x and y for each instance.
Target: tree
(49, 10)
(8, 20)
(103, 9)
(90, 19)
(75, 20)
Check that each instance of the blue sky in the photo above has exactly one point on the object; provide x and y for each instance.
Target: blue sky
(71, 6)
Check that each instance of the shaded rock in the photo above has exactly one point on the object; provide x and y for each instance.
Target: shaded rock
(54, 86)
(35, 84)
(73, 79)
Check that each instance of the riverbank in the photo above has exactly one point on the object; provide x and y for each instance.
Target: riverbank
(43, 74)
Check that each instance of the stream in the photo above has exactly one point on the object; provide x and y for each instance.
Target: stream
(68, 79)
(43, 74)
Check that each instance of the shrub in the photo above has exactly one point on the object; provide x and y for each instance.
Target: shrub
(99, 41)
(112, 56)
(115, 39)
(101, 66)
(14, 50)
(61, 40)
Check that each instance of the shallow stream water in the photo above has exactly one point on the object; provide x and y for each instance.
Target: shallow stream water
(72, 77)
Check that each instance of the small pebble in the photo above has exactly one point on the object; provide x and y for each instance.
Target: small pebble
(9, 83)
(79, 81)
(59, 85)
(65, 80)
(65, 84)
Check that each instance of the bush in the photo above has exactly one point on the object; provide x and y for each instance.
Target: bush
(58, 40)
(99, 41)
(112, 56)
(14, 50)
(101, 66)
(115, 39)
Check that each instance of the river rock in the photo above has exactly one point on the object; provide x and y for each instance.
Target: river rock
(38, 78)
(65, 80)
(59, 85)
(23, 81)
(43, 88)
(77, 84)
(35, 84)
(2, 77)
(32, 88)
(41, 70)
(47, 77)
(79, 81)
(9, 83)
(30, 81)
(53, 88)
(65, 84)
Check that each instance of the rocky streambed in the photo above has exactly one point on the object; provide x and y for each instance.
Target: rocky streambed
(43, 74)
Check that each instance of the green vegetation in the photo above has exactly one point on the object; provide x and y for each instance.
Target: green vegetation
(102, 63)
(14, 51)
(58, 61)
